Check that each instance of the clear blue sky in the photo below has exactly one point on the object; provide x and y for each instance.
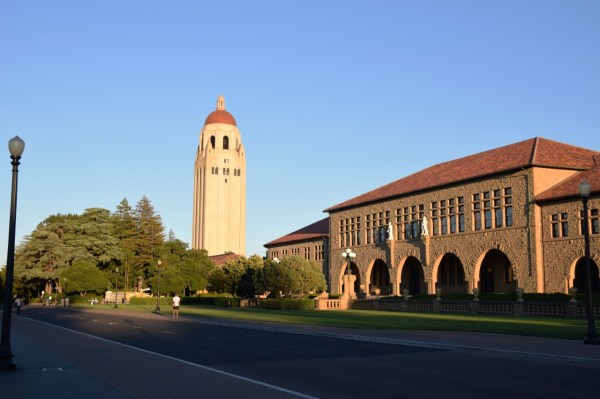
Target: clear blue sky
(333, 98)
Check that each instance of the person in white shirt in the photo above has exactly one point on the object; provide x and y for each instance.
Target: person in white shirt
(176, 301)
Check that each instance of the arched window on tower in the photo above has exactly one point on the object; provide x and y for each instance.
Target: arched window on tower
(212, 142)
(226, 143)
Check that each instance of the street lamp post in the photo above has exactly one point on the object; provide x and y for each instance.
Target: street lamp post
(591, 337)
(16, 147)
(117, 288)
(158, 288)
(348, 256)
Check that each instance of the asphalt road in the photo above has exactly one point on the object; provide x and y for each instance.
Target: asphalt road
(335, 368)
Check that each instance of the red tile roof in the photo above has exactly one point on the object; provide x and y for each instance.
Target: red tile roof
(319, 229)
(570, 187)
(533, 152)
(220, 116)
(223, 258)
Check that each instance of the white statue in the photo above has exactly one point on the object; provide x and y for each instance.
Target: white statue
(390, 231)
(424, 229)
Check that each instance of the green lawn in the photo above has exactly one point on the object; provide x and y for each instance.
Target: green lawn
(364, 319)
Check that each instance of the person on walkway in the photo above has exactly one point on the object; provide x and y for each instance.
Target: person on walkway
(18, 304)
(176, 301)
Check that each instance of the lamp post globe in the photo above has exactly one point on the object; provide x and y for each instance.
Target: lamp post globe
(15, 147)
(591, 337)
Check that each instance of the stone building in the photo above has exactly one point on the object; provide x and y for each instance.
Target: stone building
(310, 242)
(497, 220)
(219, 209)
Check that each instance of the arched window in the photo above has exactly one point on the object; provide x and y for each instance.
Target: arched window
(225, 143)
(212, 142)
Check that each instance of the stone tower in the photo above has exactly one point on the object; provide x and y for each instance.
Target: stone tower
(220, 186)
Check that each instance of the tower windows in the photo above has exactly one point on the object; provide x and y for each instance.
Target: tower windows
(226, 143)
(212, 142)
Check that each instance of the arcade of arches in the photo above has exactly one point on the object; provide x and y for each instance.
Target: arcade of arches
(494, 274)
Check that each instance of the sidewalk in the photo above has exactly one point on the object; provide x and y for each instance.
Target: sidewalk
(56, 363)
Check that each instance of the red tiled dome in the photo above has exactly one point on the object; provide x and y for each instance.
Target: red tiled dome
(220, 115)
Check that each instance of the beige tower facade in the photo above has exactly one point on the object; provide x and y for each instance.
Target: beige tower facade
(220, 186)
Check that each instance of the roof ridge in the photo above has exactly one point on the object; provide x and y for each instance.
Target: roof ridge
(534, 150)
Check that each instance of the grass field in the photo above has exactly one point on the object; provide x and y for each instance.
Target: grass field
(363, 319)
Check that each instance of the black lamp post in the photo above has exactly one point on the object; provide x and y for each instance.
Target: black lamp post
(117, 288)
(16, 147)
(591, 336)
(158, 288)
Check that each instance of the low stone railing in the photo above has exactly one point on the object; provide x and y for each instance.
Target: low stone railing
(331, 304)
(513, 308)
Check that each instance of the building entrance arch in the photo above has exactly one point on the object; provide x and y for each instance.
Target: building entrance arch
(496, 273)
(580, 281)
(379, 279)
(412, 277)
(451, 275)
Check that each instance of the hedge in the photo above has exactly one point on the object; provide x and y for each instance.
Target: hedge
(287, 304)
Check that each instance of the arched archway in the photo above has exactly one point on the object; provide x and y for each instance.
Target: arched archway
(353, 271)
(580, 281)
(496, 273)
(380, 278)
(451, 275)
(412, 277)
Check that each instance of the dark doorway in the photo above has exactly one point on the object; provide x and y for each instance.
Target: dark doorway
(580, 281)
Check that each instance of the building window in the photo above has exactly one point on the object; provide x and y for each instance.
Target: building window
(212, 142)
(349, 232)
(560, 225)
(412, 221)
(448, 216)
(225, 143)
(593, 220)
(492, 209)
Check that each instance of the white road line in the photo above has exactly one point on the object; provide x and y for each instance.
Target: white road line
(169, 332)
(200, 366)
(137, 327)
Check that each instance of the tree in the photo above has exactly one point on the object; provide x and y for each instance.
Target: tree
(226, 278)
(292, 276)
(247, 287)
(126, 232)
(61, 240)
(195, 269)
(151, 236)
(82, 277)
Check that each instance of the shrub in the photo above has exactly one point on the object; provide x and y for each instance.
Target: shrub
(287, 304)
(224, 302)
(165, 301)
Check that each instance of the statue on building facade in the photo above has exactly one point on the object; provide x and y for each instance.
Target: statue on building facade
(390, 231)
(424, 229)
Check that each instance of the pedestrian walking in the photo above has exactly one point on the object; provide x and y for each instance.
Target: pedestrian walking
(176, 301)
(18, 304)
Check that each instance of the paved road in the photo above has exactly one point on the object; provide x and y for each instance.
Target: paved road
(330, 368)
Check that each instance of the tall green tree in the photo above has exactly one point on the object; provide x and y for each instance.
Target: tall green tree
(151, 236)
(128, 236)
(61, 240)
